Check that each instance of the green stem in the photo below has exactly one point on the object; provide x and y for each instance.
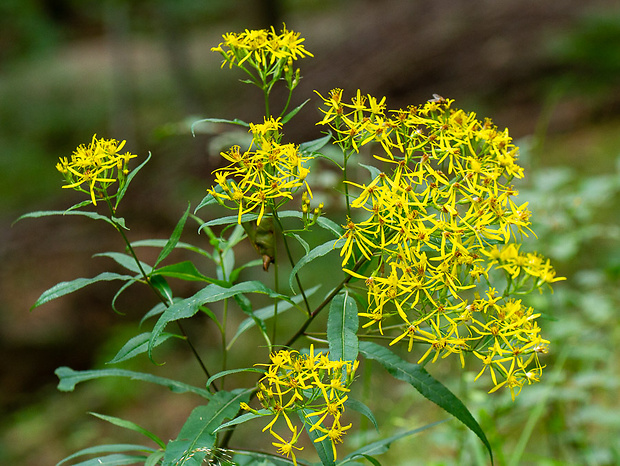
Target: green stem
(325, 302)
(291, 261)
(159, 295)
(288, 102)
(276, 265)
(266, 96)
(346, 185)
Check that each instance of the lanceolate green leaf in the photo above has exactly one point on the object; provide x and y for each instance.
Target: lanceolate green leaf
(342, 325)
(126, 261)
(49, 213)
(130, 177)
(323, 222)
(293, 112)
(246, 306)
(324, 447)
(160, 243)
(116, 448)
(174, 238)
(381, 446)
(265, 459)
(118, 459)
(236, 121)
(211, 293)
(319, 251)
(187, 271)
(232, 371)
(244, 418)
(196, 438)
(131, 426)
(138, 345)
(268, 312)
(361, 408)
(315, 145)
(69, 378)
(424, 383)
(64, 288)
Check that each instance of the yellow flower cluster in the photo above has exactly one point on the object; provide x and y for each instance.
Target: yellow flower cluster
(266, 175)
(98, 165)
(432, 224)
(309, 384)
(264, 50)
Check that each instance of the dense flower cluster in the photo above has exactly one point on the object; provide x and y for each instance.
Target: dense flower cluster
(311, 385)
(268, 53)
(98, 165)
(266, 175)
(434, 223)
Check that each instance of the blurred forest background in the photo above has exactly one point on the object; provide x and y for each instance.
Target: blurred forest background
(143, 71)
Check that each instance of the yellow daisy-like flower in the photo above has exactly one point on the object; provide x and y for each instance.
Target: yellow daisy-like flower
(98, 165)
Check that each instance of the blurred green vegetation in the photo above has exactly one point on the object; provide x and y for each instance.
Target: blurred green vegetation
(69, 69)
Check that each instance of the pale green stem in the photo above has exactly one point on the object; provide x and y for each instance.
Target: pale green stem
(292, 262)
(277, 290)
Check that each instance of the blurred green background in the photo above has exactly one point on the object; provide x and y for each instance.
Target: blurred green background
(143, 71)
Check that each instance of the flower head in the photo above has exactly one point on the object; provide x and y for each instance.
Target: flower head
(97, 165)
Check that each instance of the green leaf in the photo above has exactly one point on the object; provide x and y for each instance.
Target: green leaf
(187, 271)
(232, 371)
(196, 438)
(174, 238)
(342, 325)
(160, 243)
(131, 426)
(301, 241)
(246, 306)
(121, 290)
(106, 449)
(113, 460)
(64, 288)
(324, 447)
(49, 213)
(160, 284)
(156, 310)
(79, 205)
(293, 112)
(315, 145)
(211, 293)
(323, 222)
(234, 275)
(69, 378)
(267, 312)
(243, 418)
(154, 458)
(228, 220)
(134, 172)
(374, 171)
(258, 458)
(426, 384)
(138, 345)
(121, 192)
(126, 261)
(381, 446)
(315, 253)
(361, 408)
(236, 121)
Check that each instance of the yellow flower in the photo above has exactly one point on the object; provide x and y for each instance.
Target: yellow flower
(98, 165)
(287, 448)
(261, 48)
